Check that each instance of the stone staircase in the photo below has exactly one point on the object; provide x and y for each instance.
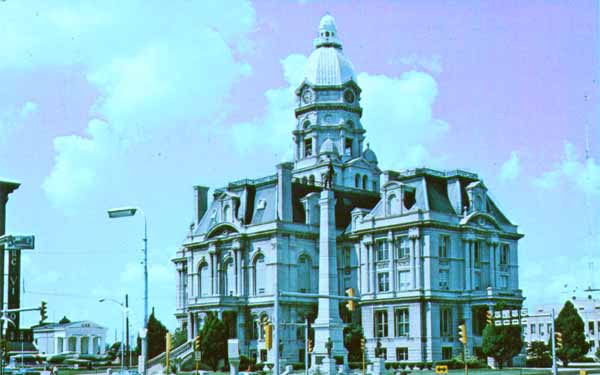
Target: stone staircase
(156, 365)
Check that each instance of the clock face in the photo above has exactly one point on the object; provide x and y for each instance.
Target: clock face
(349, 96)
(307, 96)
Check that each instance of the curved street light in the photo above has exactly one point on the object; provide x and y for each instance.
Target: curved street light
(124, 310)
(125, 212)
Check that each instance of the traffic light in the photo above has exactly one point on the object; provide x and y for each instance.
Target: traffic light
(268, 336)
(311, 345)
(43, 312)
(197, 343)
(462, 333)
(558, 340)
(489, 317)
(351, 304)
(362, 344)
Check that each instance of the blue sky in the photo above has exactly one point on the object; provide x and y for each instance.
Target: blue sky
(114, 104)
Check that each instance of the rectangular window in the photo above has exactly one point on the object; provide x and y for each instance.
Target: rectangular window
(383, 281)
(446, 352)
(592, 344)
(402, 323)
(504, 254)
(263, 355)
(541, 329)
(443, 279)
(445, 322)
(347, 257)
(477, 282)
(382, 251)
(348, 146)
(403, 280)
(401, 354)
(591, 327)
(444, 247)
(381, 323)
(308, 147)
(504, 282)
(532, 329)
(549, 328)
(476, 254)
(402, 248)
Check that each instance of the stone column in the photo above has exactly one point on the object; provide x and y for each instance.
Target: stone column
(393, 268)
(190, 332)
(328, 324)
(6, 187)
(78, 344)
(413, 267)
(373, 267)
(467, 253)
(415, 235)
(493, 246)
(237, 271)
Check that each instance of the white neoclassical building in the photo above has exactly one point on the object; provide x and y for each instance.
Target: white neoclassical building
(83, 337)
(423, 249)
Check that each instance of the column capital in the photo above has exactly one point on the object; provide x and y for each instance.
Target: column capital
(468, 236)
(414, 233)
(212, 248)
(493, 239)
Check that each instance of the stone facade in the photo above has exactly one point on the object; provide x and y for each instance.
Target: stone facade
(423, 249)
(83, 337)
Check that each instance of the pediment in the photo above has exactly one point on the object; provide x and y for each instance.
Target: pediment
(481, 220)
(222, 230)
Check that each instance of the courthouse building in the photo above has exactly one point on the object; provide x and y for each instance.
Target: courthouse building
(82, 337)
(424, 249)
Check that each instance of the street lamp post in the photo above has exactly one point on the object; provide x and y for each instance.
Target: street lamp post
(124, 311)
(130, 211)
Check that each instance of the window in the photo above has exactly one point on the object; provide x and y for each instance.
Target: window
(384, 353)
(541, 329)
(477, 282)
(402, 247)
(392, 207)
(402, 322)
(401, 354)
(311, 179)
(591, 327)
(347, 257)
(549, 328)
(365, 181)
(446, 322)
(446, 352)
(409, 199)
(382, 251)
(226, 213)
(504, 254)
(383, 282)
(357, 181)
(260, 273)
(229, 284)
(348, 147)
(444, 247)
(263, 355)
(304, 274)
(504, 282)
(307, 147)
(592, 344)
(403, 280)
(203, 280)
(381, 323)
(443, 279)
(476, 254)
(532, 329)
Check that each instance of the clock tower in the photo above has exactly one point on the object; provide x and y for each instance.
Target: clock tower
(328, 114)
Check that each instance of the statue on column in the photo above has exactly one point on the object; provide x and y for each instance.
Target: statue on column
(329, 175)
(328, 346)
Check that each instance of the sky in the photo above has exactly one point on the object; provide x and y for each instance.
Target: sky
(111, 104)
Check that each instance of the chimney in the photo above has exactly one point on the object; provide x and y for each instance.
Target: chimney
(200, 201)
(284, 191)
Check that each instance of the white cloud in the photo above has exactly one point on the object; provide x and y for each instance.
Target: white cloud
(397, 115)
(511, 168)
(429, 63)
(572, 170)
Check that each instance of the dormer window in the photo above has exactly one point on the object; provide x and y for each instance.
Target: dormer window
(308, 150)
(409, 199)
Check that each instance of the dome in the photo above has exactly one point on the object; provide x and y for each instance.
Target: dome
(328, 66)
(327, 23)
(328, 147)
(369, 155)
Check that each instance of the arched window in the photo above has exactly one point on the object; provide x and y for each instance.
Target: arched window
(203, 280)
(260, 275)
(392, 205)
(226, 213)
(311, 179)
(304, 180)
(365, 181)
(304, 274)
(357, 181)
(229, 278)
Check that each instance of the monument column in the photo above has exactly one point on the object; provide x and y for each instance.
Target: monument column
(328, 326)
(6, 187)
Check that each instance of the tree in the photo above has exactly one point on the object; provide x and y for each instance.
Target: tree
(539, 355)
(353, 333)
(64, 320)
(213, 341)
(501, 342)
(155, 336)
(179, 337)
(571, 326)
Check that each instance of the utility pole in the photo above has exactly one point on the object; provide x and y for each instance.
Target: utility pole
(554, 369)
(127, 330)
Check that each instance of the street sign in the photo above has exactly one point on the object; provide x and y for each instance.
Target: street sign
(197, 356)
(18, 242)
(441, 369)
